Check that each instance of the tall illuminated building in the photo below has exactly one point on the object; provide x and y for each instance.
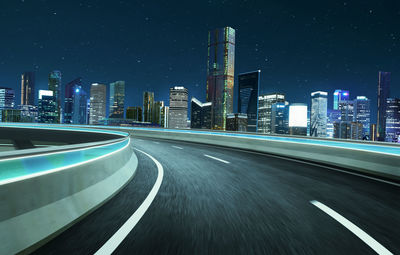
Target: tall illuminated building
(298, 119)
(249, 87)
(68, 99)
(346, 109)
(55, 86)
(280, 118)
(338, 96)
(392, 120)
(79, 102)
(117, 99)
(220, 74)
(47, 107)
(157, 108)
(383, 95)
(319, 113)
(98, 93)
(265, 103)
(7, 99)
(178, 106)
(200, 116)
(164, 116)
(28, 88)
(148, 106)
(362, 113)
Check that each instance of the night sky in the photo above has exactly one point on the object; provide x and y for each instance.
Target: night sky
(300, 46)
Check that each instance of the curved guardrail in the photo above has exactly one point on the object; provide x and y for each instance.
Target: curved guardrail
(373, 158)
(45, 190)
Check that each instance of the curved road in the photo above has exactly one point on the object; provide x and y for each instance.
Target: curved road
(215, 200)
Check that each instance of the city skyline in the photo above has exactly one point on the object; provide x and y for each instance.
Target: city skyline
(346, 53)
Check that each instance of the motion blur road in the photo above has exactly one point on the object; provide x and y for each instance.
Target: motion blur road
(215, 200)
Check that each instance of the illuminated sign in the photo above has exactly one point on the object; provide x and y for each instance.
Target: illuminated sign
(43, 92)
(298, 115)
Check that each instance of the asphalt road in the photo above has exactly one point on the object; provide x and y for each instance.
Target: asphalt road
(236, 202)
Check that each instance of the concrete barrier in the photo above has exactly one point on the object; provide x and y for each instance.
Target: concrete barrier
(34, 210)
(384, 165)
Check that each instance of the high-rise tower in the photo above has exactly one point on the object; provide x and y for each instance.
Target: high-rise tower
(220, 74)
(383, 95)
(249, 87)
(28, 88)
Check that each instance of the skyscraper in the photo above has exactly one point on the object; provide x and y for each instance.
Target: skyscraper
(98, 93)
(339, 95)
(164, 116)
(265, 103)
(28, 88)
(383, 95)
(319, 113)
(346, 108)
(55, 86)
(79, 102)
(280, 118)
(362, 113)
(249, 87)
(117, 98)
(178, 104)
(47, 107)
(158, 105)
(69, 105)
(393, 120)
(200, 116)
(220, 74)
(7, 99)
(148, 105)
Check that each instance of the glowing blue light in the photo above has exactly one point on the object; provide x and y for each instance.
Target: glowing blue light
(77, 90)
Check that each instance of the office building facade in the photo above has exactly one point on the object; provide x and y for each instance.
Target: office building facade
(29, 113)
(55, 86)
(236, 122)
(392, 120)
(280, 118)
(178, 104)
(148, 106)
(98, 97)
(28, 88)
(362, 113)
(47, 107)
(70, 90)
(220, 74)
(117, 99)
(338, 96)
(157, 108)
(249, 87)
(319, 113)
(265, 103)
(383, 95)
(134, 113)
(200, 116)
(79, 112)
(7, 99)
(348, 130)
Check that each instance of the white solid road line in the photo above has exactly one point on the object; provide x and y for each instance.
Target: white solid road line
(224, 161)
(156, 142)
(371, 242)
(177, 147)
(121, 234)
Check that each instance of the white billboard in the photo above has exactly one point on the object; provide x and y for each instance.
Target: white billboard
(298, 115)
(45, 93)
